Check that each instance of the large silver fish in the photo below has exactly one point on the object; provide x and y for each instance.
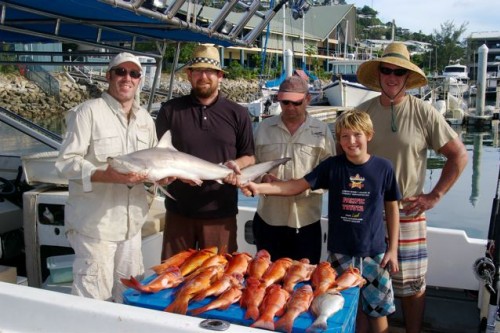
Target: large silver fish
(166, 161)
(323, 307)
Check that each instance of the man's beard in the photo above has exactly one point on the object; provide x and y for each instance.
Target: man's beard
(204, 92)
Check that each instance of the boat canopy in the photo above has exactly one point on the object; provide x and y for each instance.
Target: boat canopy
(106, 22)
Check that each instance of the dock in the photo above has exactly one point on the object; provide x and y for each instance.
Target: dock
(326, 113)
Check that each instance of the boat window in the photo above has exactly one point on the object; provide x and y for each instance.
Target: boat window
(16, 143)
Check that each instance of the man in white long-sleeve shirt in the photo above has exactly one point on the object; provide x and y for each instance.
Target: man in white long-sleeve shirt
(106, 209)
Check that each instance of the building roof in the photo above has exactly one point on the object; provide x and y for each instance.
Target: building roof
(319, 21)
(485, 35)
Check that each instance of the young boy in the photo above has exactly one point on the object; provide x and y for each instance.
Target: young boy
(362, 188)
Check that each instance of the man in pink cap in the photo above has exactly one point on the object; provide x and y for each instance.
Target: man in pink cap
(290, 226)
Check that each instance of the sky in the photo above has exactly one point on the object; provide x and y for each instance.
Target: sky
(428, 15)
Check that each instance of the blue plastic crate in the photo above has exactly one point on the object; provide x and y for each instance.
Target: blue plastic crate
(343, 321)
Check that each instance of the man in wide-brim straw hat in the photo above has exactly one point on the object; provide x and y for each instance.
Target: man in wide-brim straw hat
(405, 127)
(207, 125)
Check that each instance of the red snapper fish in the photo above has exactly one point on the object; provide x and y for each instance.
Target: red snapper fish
(252, 297)
(170, 278)
(224, 301)
(175, 260)
(323, 307)
(259, 264)
(299, 302)
(300, 271)
(238, 263)
(197, 259)
(272, 305)
(191, 288)
(349, 278)
(221, 285)
(323, 277)
(276, 271)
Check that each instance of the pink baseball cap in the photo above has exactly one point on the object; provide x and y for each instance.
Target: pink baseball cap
(294, 89)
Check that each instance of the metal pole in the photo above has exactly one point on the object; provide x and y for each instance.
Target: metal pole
(172, 74)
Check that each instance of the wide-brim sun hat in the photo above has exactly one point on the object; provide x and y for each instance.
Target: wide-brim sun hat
(395, 54)
(205, 56)
(123, 57)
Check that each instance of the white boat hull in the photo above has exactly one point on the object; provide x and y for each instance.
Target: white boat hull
(347, 94)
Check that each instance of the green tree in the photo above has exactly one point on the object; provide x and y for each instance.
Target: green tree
(447, 44)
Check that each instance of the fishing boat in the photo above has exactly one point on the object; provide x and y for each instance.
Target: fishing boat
(347, 92)
(344, 90)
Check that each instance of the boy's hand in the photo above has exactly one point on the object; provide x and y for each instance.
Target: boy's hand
(249, 189)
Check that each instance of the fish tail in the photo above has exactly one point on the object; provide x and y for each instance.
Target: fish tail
(252, 312)
(178, 306)
(318, 324)
(133, 283)
(199, 310)
(284, 324)
(264, 322)
(199, 297)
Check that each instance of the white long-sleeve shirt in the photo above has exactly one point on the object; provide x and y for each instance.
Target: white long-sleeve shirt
(98, 129)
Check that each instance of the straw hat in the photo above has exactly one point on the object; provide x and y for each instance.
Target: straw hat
(205, 56)
(294, 89)
(395, 54)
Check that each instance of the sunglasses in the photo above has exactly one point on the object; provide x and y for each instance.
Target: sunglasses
(284, 102)
(389, 71)
(123, 72)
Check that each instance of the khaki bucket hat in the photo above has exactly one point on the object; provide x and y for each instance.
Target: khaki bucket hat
(396, 54)
(205, 56)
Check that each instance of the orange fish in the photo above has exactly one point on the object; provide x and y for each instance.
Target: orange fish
(221, 285)
(323, 278)
(349, 278)
(170, 278)
(272, 305)
(175, 260)
(259, 264)
(252, 297)
(218, 259)
(230, 296)
(299, 271)
(238, 263)
(197, 259)
(276, 271)
(191, 288)
(299, 302)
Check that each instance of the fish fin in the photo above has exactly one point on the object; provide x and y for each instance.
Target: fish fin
(252, 312)
(166, 141)
(165, 192)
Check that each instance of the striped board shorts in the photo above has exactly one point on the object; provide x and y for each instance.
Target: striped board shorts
(377, 296)
(412, 256)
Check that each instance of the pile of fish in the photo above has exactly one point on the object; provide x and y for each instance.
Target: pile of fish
(284, 288)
